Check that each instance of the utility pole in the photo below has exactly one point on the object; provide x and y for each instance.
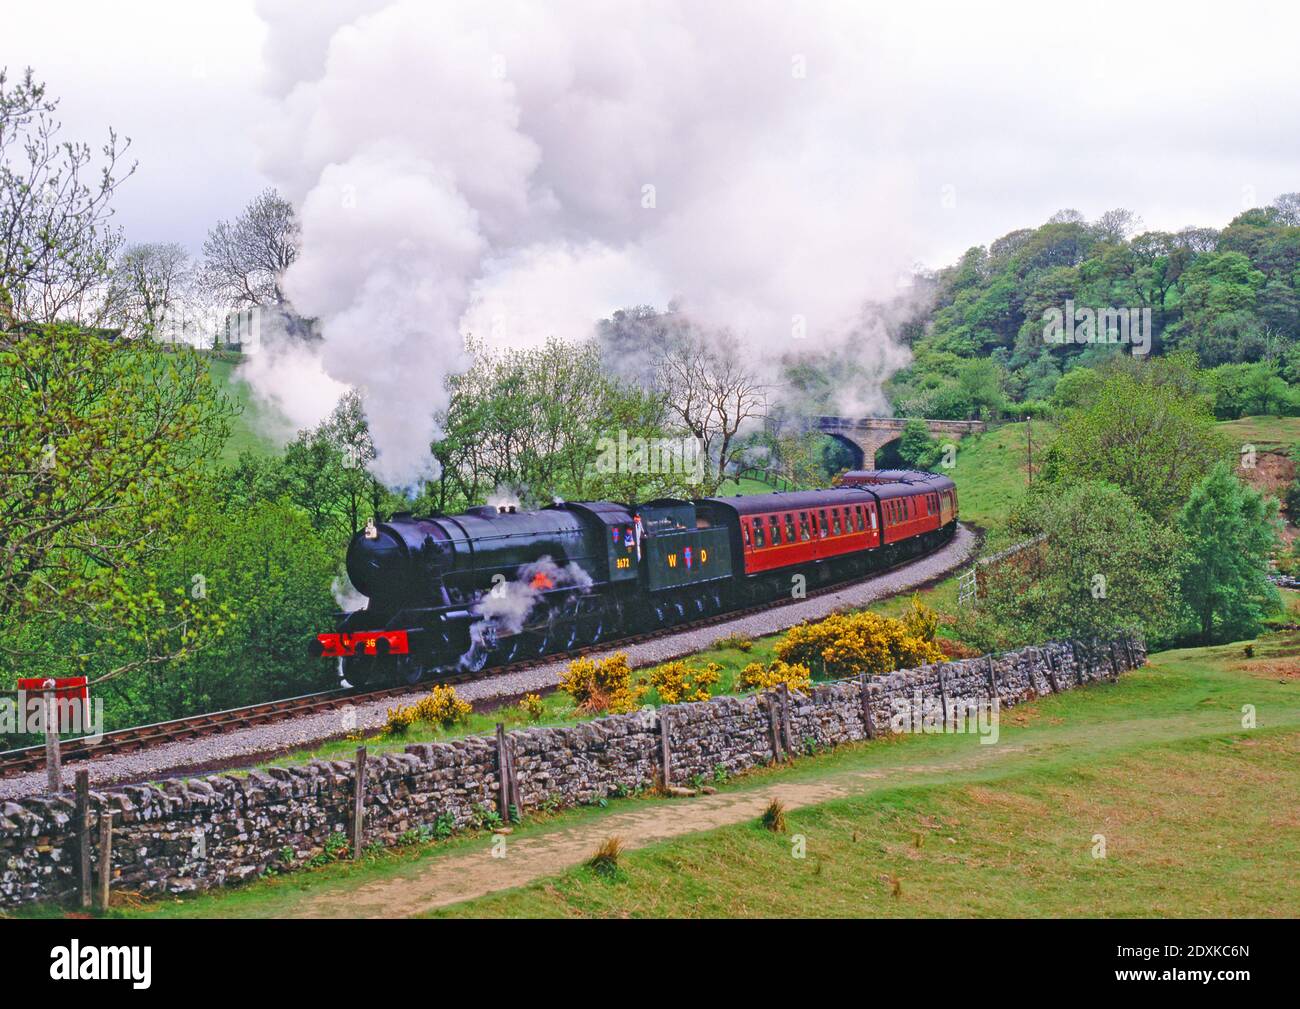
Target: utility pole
(1030, 443)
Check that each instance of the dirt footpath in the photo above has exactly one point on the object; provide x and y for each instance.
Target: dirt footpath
(448, 880)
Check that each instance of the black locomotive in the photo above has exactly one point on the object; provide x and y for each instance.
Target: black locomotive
(495, 585)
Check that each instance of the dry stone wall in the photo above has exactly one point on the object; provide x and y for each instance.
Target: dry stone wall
(214, 831)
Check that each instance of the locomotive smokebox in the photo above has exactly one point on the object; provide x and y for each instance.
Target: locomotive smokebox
(402, 558)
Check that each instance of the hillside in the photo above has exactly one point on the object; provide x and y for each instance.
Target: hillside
(247, 430)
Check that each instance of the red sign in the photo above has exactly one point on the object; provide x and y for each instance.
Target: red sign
(337, 645)
(67, 688)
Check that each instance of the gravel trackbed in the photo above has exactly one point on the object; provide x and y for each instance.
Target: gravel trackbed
(250, 745)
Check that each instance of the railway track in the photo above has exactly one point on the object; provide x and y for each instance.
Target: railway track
(32, 758)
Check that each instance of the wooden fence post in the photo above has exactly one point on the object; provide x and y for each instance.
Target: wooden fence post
(786, 734)
(772, 730)
(868, 718)
(1051, 672)
(105, 858)
(503, 775)
(516, 799)
(53, 760)
(993, 682)
(1114, 663)
(83, 833)
(1078, 664)
(665, 748)
(943, 695)
(359, 803)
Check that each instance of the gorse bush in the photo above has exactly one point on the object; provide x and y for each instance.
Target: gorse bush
(532, 707)
(849, 644)
(399, 720)
(757, 676)
(679, 681)
(441, 706)
(604, 686)
(920, 620)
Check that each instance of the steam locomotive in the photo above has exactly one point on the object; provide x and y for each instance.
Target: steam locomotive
(497, 585)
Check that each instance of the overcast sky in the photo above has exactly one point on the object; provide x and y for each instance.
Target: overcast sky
(1181, 112)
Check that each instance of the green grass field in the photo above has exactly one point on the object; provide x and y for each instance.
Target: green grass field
(1195, 821)
(991, 471)
(1267, 434)
(247, 430)
(745, 485)
(1197, 813)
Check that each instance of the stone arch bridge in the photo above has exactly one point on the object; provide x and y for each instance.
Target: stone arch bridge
(865, 436)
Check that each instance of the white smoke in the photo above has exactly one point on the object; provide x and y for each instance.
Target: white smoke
(508, 605)
(506, 608)
(503, 497)
(518, 170)
(346, 595)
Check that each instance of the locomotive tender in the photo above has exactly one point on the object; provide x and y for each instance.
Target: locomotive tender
(496, 585)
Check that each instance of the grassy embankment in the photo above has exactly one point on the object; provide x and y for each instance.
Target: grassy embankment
(247, 429)
(1197, 813)
(1267, 434)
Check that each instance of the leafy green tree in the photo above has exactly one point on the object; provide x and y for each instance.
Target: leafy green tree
(1229, 531)
(917, 448)
(102, 446)
(1094, 563)
(1242, 390)
(1140, 433)
(1078, 387)
(271, 573)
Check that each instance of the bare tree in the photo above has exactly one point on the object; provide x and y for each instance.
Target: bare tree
(245, 259)
(712, 391)
(1116, 225)
(1286, 208)
(56, 243)
(147, 285)
(1198, 240)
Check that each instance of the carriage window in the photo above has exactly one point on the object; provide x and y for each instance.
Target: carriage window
(774, 527)
(822, 520)
(789, 527)
(758, 533)
(873, 518)
(835, 521)
(804, 534)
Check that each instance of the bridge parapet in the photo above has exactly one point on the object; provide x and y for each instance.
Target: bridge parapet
(866, 435)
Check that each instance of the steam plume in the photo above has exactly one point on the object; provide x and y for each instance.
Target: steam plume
(519, 170)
